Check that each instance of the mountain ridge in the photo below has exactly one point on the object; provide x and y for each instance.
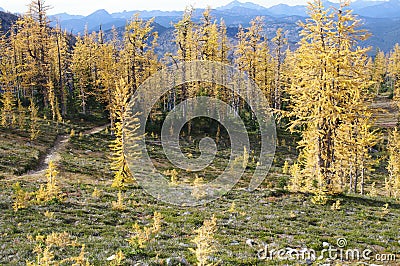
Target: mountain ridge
(386, 30)
(237, 3)
(390, 8)
(374, 9)
(7, 20)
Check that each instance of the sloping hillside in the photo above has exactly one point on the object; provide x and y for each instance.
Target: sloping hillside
(7, 19)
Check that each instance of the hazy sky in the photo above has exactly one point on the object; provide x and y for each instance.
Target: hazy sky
(86, 7)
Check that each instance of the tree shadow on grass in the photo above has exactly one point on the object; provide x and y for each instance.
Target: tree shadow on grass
(367, 201)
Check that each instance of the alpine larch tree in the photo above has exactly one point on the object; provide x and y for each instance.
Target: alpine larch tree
(329, 96)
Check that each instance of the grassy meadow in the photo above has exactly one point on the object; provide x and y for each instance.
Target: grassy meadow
(247, 222)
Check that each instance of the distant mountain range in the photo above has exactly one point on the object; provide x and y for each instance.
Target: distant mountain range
(236, 4)
(6, 21)
(381, 18)
(233, 13)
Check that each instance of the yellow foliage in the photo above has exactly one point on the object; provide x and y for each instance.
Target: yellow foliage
(198, 181)
(336, 206)
(51, 190)
(285, 168)
(119, 204)
(173, 174)
(82, 66)
(79, 260)
(97, 193)
(198, 190)
(22, 199)
(117, 258)
(60, 240)
(373, 192)
(7, 101)
(21, 115)
(157, 222)
(44, 256)
(385, 210)
(232, 208)
(49, 215)
(299, 182)
(204, 241)
(245, 157)
(46, 246)
(138, 55)
(53, 101)
(34, 124)
(253, 56)
(122, 174)
(319, 197)
(393, 182)
(378, 71)
(329, 94)
(394, 72)
(143, 235)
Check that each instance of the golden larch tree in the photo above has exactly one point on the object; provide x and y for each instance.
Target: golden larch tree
(122, 174)
(393, 182)
(138, 54)
(83, 65)
(394, 72)
(328, 89)
(253, 56)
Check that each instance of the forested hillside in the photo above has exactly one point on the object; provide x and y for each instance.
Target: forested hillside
(7, 20)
